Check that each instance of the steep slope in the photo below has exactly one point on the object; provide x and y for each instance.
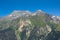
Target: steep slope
(25, 25)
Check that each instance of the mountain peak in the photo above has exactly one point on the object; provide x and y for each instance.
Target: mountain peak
(39, 10)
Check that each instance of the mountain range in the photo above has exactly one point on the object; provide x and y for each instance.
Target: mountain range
(26, 25)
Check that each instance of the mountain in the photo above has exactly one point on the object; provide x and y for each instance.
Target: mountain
(26, 25)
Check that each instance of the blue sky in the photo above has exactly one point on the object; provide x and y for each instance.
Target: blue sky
(49, 6)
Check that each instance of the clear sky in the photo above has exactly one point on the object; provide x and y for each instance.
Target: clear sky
(49, 6)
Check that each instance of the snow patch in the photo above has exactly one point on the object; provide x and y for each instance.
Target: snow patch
(10, 15)
(53, 16)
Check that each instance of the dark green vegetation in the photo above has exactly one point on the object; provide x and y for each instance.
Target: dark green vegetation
(38, 27)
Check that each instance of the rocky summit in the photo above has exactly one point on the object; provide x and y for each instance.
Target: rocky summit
(26, 25)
